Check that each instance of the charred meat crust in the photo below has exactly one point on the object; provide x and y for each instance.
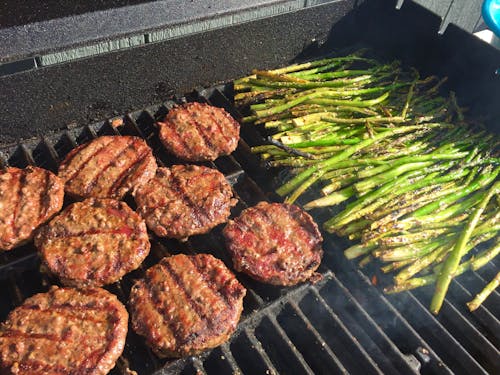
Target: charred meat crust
(199, 132)
(28, 198)
(107, 167)
(185, 200)
(275, 243)
(186, 304)
(93, 243)
(64, 331)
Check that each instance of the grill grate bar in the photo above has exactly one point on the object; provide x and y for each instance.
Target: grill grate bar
(459, 296)
(386, 315)
(282, 334)
(226, 351)
(17, 296)
(477, 283)
(361, 321)
(423, 321)
(482, 313)
(27, 155)
(198, 365)
(386, 334)
(360, 336)
(258, 347)
(469, 336)
(347, 342)
(321, 340)
(54, 157)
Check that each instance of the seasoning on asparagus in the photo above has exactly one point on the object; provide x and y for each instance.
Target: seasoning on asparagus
(402, 162)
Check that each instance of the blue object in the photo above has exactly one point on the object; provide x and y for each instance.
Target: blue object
(491, 15)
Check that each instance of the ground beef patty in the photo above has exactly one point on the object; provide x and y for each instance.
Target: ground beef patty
(186, 304)
(28, 198)
(93, 243)
(107, 167)
(64, 331)
(197, 132)
(275, 243)
(185, 200)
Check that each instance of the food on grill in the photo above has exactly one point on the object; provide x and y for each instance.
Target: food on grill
(107, 167)
(64, 331)
(481, 296)
(275, 243)
(186, 304)
(28, 197)
(185, 200)
(93, 243)
(199, 132)
(407, 161)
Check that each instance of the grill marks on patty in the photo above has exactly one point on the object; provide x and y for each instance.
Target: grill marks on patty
(64, 331)
(94, 242)
(275, 243)
(28, 198)
(199, 132)
(107, 167)
(186, 304)
(184, 200)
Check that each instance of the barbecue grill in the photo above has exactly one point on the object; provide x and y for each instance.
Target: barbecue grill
(343, 323)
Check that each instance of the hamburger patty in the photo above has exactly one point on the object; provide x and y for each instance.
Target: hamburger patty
(275, 243)
(93, 243)
(64, 331)
(28, 198)
(185, 200)
(186, 304)
(198, 132)
(107, 167)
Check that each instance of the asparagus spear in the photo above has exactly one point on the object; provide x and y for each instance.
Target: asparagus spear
(481, 297)
(379, 137)
(451, 264)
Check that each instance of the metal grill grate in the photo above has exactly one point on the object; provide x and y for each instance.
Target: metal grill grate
(342, 324)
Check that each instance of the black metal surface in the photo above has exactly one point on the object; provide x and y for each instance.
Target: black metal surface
(342, 324)
(83, 91)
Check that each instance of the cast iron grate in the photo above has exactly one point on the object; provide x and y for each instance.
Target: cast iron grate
(342, 324)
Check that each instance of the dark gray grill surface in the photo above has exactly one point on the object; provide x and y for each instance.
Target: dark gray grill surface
(342, 324)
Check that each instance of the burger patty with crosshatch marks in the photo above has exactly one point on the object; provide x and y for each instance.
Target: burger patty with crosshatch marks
(185, 200)
(93, 243)
(186, 304)
(107, 167)
(64, 331)
(275, 243)
(199, 132)
(28, 198)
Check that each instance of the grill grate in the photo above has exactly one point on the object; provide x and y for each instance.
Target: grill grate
(342, 324)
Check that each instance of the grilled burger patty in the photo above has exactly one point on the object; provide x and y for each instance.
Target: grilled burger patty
(93, 243)
(64, 331)
(185, 200)
(186, 304)
(28, 198)
(275, 243)
(107, 167)
(198, 132)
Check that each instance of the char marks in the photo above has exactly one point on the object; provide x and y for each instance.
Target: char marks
(80, 156)
(275, 243)
(184, 200)
(211, 131)
(103, 169)
(93, 243)
(107, 167)
(44, 336)
(28, 198)
(183, 309)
